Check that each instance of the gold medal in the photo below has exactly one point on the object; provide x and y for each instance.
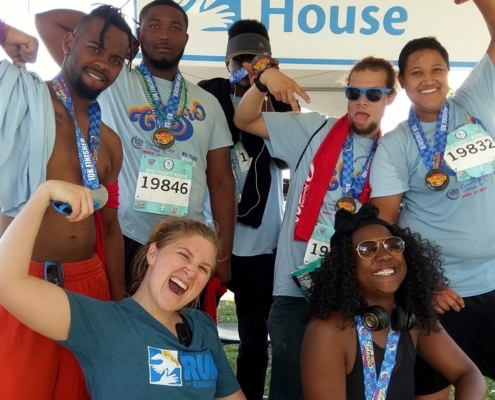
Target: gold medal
(347, 203)
(260, 63)
(163, 138)
(437, 179)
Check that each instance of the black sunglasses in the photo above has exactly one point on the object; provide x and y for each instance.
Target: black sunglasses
(353, 93)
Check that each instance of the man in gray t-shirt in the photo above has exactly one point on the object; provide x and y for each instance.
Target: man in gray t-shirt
(197, 141)
(306, 142)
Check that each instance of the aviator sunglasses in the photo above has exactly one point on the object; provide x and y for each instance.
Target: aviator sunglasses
(353, 93)
(368, 249)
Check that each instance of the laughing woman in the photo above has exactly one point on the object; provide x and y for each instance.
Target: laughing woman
(145, 347)
(371, 310)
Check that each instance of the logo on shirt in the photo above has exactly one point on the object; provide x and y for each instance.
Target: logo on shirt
(453, 194)
(182, 368)
(137, 143)
(182, 128)
(165, 368)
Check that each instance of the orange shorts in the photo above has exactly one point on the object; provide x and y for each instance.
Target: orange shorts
(33, 367)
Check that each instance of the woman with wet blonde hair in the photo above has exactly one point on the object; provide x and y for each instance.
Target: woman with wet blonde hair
(146, 346)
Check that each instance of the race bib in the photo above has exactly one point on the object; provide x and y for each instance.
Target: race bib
(319, 244)
(163, 186)
(242, 157)
(470, 152)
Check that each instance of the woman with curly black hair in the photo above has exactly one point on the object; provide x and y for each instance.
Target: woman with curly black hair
(371, 309)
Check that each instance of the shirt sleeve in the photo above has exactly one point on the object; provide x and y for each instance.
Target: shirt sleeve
(389, 171)
(227, 383)
(221, 136)
(289, 133)
(94, 327)
(477, 93)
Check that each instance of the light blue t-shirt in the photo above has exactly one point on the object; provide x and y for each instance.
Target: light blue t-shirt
(249, 241)
(289, 134)
(458, 218)
(27, 135)
(126, 354)
(201, 128)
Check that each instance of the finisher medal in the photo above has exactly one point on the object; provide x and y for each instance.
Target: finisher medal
(347, 203)
(163, 138)
(437, 179)
(260, 63)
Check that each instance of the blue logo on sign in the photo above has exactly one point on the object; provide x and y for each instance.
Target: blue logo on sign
(211, 15)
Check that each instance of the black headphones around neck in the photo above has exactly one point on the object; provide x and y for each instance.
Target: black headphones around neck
(376, 318)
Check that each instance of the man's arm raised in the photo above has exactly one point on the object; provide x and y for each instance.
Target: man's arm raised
(52, 26)
(248, 114)
(19, 46)
(487, 9)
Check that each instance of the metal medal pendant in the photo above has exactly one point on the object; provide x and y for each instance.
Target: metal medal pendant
(260, 63)
(437, 179)
(347, 203)
(100, 197)
(163, 138)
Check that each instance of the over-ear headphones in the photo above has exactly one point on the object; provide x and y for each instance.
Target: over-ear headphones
(376, 318)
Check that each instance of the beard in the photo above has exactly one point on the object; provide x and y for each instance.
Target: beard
(364, 131)
(163, 64)
(84, 91)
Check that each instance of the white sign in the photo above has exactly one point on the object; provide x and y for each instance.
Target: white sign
(316, 34)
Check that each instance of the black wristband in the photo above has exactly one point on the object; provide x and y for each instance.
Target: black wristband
(262, 88)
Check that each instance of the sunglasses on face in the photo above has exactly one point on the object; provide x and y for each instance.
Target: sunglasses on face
(368, 249)
(353, 93)
(242, 58)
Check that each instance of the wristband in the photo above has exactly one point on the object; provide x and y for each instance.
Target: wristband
(260, 86)
(2, 32)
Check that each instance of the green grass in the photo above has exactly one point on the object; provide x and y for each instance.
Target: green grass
(226, 314)
(490, 390)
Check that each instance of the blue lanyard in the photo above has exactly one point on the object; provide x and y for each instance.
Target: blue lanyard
(165, 116)
(238, 76)
(431, 157)
(351, 185)
(88, 154)
(376, 384)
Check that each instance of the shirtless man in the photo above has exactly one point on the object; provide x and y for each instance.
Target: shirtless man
(38, 126)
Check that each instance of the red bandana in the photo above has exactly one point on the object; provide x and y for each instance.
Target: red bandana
(320, 173)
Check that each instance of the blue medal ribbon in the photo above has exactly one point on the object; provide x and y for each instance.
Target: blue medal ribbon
(376, 384)
(353, 185)
(432, 158)
(164, 115)
(238, 76)
(88, 153)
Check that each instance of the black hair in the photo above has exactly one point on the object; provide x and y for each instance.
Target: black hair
(112, 16)
(424, 43)
(169, 3)
(248, 26)
(335, 286)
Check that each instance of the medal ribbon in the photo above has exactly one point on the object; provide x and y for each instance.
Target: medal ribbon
(165, 116)
(376, 384)
(353, 185)
(88, 154)
(238, 76)
(432, 158)
(475, 121)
